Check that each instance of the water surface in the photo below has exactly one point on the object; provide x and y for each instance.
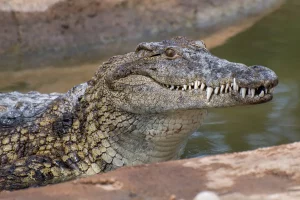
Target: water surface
(273, 42)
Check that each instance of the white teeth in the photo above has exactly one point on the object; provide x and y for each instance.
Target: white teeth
(217, 90)
(199, 83)
(252, 92)
(235, 86)
(196, 85)
(209, 92)
(202, 86)
(222, 88)
(243, 92)
(227, 87)
(262, 94)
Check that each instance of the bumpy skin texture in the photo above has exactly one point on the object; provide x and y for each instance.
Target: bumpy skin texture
(138, 108)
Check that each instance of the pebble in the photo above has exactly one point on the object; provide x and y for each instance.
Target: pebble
(207, 195)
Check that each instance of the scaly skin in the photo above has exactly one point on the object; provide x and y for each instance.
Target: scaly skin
(138, 108)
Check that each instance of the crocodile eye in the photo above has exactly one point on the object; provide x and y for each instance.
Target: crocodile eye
(171, 53)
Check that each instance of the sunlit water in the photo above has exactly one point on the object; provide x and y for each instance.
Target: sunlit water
(273, 42)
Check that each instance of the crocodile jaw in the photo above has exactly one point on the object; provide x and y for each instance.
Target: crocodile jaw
(192, 79)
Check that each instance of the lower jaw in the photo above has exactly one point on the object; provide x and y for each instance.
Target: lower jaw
(256, 99)
(234, 99)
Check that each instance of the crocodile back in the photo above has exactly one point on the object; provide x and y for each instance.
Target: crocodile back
(17, 108)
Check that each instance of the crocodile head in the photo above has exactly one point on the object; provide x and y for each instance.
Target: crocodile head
(181, 74)
(162, 90)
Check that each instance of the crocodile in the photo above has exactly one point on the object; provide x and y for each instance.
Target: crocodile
(138, 108)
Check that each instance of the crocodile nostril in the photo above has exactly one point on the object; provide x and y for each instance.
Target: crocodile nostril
(256, 66)
(259, 67)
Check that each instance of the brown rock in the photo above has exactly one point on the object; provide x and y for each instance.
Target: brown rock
(268, 173)
(43, 32)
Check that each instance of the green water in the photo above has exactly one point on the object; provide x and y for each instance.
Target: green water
(273, 42)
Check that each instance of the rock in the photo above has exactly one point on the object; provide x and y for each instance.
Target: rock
(267, 173)
(46, 32)
(207, 195)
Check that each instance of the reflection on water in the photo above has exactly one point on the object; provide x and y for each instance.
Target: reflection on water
(273, 42)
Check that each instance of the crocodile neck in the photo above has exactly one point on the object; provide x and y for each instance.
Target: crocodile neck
(124, 138)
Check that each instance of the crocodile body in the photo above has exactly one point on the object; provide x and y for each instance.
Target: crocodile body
(138, 108)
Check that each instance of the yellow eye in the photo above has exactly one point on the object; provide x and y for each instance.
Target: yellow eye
(171, 53)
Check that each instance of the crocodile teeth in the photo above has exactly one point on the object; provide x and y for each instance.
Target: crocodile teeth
(196, 85)
(222, 88)
(252, 92)
(227, 87)
(262, 94)
(209, 92)
(235, 86)
(202, 86)
(243, 92)
(199, 83)
(217, 90)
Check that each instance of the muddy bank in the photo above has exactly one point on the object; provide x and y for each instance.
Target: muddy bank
(268, 173)
(55, 32)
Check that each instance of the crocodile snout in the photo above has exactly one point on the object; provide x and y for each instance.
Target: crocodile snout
(267, 75)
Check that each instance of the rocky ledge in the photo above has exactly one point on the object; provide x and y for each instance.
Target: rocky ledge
(48, 32)
(263, 174)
